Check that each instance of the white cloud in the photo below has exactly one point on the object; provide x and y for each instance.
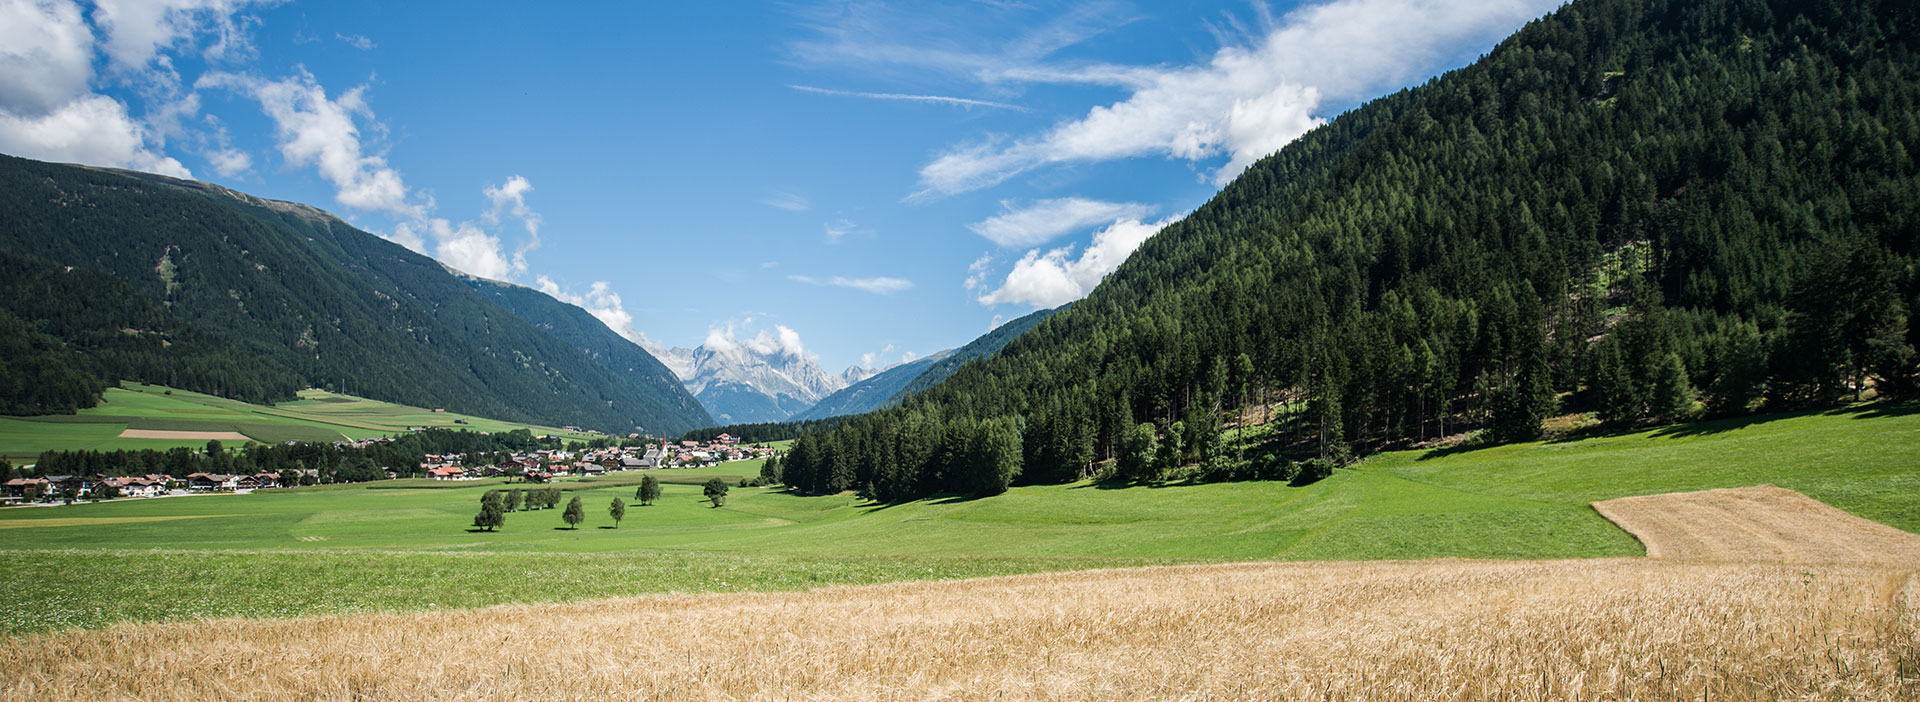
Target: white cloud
(878, 286)
(47, 110)
(604, 304)
(906, 97)
(788, 201)
(977, 272)
(1041, 221)
(137, 32)
(314, 130)
(871, 357)
(839, 228)
(1053, 278)
(94, 129)
(355, 40)
(783, 341)
(46, 54)
(511, 196)
(1245, 102)
(230, 162)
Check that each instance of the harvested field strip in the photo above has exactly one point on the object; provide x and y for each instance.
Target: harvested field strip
(1435, 630)
(1763, 524)
(193, 435)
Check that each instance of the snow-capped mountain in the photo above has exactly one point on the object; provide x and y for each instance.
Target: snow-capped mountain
(752, 380)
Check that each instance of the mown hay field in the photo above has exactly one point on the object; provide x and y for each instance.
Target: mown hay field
(1432, 630)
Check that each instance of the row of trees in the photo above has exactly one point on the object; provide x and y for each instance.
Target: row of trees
(495, 504)
(331, 463)
(1648, 211)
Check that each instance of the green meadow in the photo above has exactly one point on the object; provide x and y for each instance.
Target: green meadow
(407, 544)
(317, 415)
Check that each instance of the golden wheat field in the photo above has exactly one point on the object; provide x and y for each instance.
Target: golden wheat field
(1448, 630)
(1760, 524)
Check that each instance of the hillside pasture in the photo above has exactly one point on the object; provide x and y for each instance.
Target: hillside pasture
(136, 416)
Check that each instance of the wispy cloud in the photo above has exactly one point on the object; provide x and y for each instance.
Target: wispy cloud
(839, 228)
(355, 40)
(878, 286)
(788, 201)
(1041, 221)
(905, 97)
(1246, 102)
(881, 285)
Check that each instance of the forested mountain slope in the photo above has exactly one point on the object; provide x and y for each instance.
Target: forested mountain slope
(1642, 209)
(669, 406)
(890, 387)
(870, 394)
(282, 296)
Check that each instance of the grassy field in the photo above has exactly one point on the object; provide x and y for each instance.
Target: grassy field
(317, 416)
(408, 546)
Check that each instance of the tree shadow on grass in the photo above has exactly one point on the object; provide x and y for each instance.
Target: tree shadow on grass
(606, 527)
(478, 530)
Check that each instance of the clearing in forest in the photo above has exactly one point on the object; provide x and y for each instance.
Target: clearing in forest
(1762, 524)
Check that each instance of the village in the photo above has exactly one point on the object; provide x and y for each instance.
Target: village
(538, 466)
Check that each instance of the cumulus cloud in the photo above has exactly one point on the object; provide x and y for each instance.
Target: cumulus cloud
(46, 54)
(871, 357)
(783, 341)
(137, 32)
(603, 303)
(47, 108)
(1247, 101)
(1041, 221)
(1055, 278)
(94, 130)
(511, 197)
(322, 132)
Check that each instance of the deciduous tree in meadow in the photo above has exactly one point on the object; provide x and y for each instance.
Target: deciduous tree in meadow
(618, 511)
(716, 491)
(648, 492)
(493, 512)
(575, 514)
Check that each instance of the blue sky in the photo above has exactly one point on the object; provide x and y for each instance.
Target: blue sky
(861, 180)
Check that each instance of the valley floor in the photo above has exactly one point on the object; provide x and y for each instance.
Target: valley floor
(1756, 593)
(407, 546)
